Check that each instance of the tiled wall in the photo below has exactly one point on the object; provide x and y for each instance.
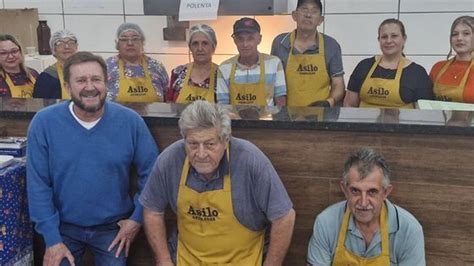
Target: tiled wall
(352, 22)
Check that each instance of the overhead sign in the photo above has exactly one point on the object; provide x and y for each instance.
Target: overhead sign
(198, 10)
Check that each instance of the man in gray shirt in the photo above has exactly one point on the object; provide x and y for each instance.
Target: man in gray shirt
(312, 60)
(224, 191)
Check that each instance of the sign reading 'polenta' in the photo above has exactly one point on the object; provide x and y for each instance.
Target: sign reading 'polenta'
(198, 10)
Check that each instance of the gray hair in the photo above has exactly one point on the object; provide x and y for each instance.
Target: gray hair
(204, 29)
(204, 115)
(61, 34)
(129, 26)
(365, 160)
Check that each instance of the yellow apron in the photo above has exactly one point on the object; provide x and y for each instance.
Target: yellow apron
(451, 93)
(248, 93)
(344, 257)
(64, 92)
(21, 91)
(307, 78)
(380, 92)
(208, 231)
(191, 93)
(136, 89)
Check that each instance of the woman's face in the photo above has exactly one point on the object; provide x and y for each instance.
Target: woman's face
(130, 44)
(391, 40)
(64, 48)
(201, 48)
(462, 39)
(10, 56)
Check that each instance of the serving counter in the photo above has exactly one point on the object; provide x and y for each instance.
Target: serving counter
(431, 154)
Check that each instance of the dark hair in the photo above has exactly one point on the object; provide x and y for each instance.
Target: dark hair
(365, 160)
(83, 57)
(13, 39)
(466, 20)
(317, 2)
(393, 21)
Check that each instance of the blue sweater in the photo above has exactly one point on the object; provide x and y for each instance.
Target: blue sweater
(81, 176)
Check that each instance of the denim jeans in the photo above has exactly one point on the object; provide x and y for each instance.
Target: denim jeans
(96, 238)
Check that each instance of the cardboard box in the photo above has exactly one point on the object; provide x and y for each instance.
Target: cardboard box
(21, 23)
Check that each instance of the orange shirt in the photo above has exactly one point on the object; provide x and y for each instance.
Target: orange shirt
(454, 75)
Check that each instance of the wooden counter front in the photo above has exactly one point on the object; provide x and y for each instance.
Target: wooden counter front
(433, 178)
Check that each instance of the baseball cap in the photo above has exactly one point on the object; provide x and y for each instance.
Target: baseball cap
(316, 2)
(246, 25)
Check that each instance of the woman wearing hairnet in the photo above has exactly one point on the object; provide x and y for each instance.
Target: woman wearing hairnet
(133, 76)
(50, 83)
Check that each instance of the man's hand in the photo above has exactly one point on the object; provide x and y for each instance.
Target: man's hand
(249, 112)
(55, 254)
(125, 236)
(320, 104)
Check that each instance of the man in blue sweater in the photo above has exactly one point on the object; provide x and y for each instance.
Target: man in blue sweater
(80, 153)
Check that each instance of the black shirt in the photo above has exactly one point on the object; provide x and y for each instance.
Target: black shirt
(415, 83)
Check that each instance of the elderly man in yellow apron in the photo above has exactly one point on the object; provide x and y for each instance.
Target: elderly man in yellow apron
(366, 229)
(225, 194)
(312, 60)
(250, 78)
(133, 76)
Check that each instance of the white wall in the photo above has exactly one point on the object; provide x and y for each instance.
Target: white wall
(352, 22)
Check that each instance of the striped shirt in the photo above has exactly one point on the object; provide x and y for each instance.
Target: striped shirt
(275, 84)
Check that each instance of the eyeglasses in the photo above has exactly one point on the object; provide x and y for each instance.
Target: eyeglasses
(13, 52)
(313, 12)
(70, 43)
(134, 40)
